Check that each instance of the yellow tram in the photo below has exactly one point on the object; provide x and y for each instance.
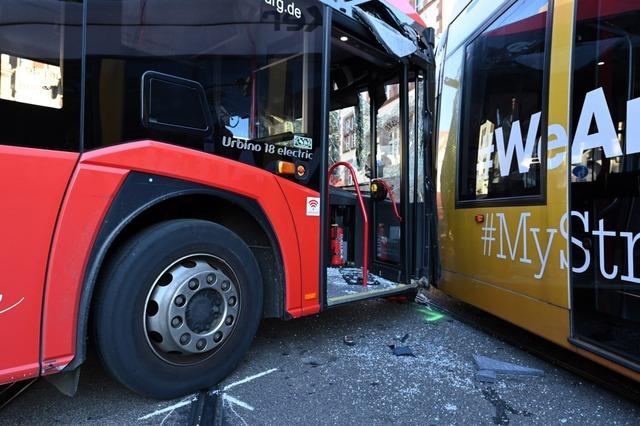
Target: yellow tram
(538, 169)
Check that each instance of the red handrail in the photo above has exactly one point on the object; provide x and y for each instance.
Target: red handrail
(365, 218)
(396, 213)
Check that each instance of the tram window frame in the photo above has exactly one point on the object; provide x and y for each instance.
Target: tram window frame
(600, 312)
(516, 200)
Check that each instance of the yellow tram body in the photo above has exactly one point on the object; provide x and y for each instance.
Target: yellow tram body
(509, 256)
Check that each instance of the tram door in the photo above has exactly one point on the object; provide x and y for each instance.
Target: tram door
(605, 181)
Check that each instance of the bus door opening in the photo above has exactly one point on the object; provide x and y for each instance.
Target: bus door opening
(373, 160)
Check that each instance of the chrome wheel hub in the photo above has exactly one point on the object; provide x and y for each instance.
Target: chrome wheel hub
(191, 309)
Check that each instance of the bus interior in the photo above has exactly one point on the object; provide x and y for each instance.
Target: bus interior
(372, 138)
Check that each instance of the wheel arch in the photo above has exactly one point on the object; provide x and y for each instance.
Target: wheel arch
(144, 200)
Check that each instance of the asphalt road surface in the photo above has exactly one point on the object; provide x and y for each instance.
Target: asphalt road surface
(302, 372)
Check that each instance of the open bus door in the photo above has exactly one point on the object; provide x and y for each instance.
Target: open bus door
(380, 219)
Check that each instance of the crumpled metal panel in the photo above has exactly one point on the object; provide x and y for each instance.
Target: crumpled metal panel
(393, 41)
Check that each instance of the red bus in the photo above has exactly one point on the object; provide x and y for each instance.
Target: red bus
(175, 171)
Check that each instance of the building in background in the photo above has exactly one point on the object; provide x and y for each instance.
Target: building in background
(439, 13)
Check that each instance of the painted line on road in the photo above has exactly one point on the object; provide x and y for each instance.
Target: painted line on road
(193, 398)
(170, 408)
(237, 402)
(249, 379)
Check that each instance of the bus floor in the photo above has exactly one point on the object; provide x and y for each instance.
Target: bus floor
(345, 285)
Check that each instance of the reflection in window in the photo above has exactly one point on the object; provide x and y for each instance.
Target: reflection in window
(606, 191)
(388, 149)
(261, 76)
(500, 140)
(40, 66)
(30, 82)
(417, 104)
(350, 141)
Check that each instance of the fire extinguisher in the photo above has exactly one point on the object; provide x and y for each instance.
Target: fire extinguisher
(337, 242)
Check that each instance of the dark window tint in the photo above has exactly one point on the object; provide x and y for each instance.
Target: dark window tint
(40, 45)
(175, 105)
(605, 175)
(503, 95)
(260, 69)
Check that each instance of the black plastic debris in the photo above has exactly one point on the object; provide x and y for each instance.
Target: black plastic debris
(349, 340)
(312, 361)
(402, 351)
(404, 338)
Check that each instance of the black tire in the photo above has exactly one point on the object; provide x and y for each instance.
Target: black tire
(120, 313)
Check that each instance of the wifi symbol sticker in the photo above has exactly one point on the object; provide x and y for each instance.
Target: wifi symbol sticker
(313, 206)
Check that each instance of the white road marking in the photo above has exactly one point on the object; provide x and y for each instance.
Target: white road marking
(170, 408)
(249, 379)
(192, 398)
(235, 401)
(233, 410)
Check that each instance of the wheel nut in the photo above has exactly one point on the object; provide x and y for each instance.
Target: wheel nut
(193, 284)
(211, 278)
(225, 285)
(229, 320)
(176, 322)
(232, 301)
(185, 339)
(201, 344)
(217, 337)
(180, 301)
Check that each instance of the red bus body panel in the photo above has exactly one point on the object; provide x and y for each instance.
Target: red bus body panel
(307, 229)
(96, 183)
(33, 184)
(90, 194)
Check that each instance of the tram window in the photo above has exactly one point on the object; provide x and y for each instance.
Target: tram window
(500, 152)
(605, 188)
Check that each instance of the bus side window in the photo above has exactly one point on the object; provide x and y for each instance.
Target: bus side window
(502, 106)
(261, 83)
(40, 70)
(175, 104)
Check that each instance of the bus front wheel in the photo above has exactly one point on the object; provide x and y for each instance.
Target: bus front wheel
(177, 308)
